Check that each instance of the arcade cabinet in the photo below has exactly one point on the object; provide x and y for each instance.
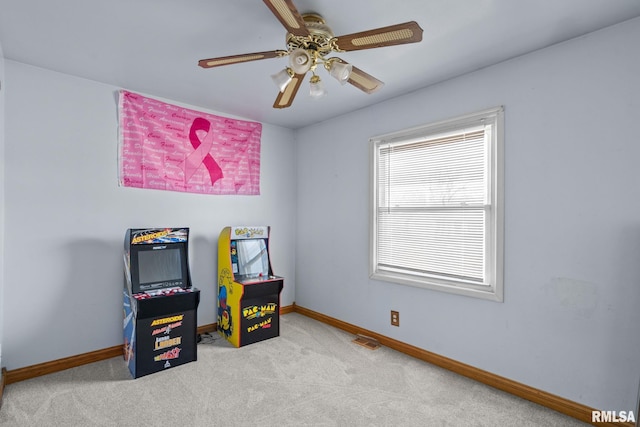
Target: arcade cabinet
(160, 305)
(248, 291)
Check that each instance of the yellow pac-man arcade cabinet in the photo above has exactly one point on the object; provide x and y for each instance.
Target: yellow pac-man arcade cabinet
(248, 291)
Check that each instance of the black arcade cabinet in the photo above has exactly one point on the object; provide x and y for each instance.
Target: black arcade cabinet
(160, 305)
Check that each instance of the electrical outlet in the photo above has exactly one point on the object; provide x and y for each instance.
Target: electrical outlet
(395, 318)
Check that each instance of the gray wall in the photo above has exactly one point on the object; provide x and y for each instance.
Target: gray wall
(569, 321)
(66, 217)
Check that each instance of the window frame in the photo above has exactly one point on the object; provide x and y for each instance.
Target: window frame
(493, 288)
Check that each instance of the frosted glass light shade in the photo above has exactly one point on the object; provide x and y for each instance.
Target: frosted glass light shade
(300, 61)
(282, 78)
(316, 88)
(340, 71)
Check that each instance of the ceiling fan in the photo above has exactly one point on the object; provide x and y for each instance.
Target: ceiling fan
(309, 43)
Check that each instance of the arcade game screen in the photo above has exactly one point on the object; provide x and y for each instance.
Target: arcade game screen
(159, 266)
(253, 259)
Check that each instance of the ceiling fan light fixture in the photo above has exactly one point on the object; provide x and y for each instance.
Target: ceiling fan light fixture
(316, 88)
(282, 78)
(300, 61)
(340, 71)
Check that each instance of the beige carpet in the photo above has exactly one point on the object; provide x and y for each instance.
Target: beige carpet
(313, 375)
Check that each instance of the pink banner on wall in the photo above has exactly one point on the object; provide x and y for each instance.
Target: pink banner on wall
(166, 147)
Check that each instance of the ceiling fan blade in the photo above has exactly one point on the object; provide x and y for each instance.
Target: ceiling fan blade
(363, 81)
(409, 32)
(285, 98)
(289, 16)
(235, 59)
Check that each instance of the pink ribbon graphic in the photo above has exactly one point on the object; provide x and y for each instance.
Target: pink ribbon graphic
(201, 153)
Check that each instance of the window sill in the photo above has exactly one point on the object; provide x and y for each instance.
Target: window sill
(476, 291)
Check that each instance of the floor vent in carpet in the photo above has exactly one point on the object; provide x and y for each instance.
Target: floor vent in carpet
(367, 342)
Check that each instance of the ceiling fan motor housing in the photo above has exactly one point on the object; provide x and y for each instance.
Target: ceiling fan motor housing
(320, 39)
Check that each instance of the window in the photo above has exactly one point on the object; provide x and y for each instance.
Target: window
(437, 206)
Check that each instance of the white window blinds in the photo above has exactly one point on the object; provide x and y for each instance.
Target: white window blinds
(434, 213)
(432, 206)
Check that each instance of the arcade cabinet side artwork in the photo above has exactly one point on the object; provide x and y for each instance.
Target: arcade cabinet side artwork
(248, 291)
(160, 305)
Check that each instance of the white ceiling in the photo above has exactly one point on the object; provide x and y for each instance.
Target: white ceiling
(153, 46)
